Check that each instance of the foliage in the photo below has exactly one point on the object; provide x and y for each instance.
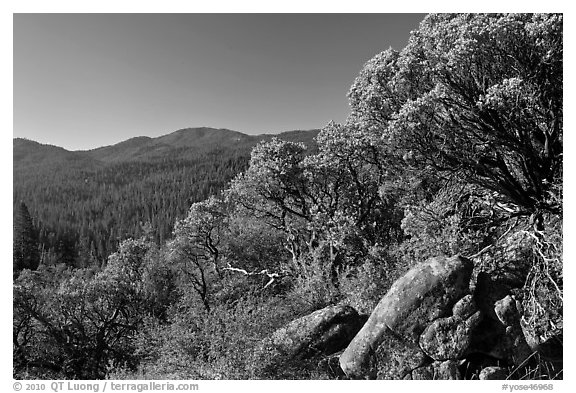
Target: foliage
(476, 95)
(252, 245)
(194, 253)
(329, 205)
(196, 345)
(75, 324)
(458, 218)
(364, 286)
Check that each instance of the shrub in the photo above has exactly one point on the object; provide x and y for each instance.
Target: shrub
(363, 286)
(219, 344)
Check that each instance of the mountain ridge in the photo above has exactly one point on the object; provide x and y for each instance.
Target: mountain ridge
(85, 202)
(182, 143)
(29, 153)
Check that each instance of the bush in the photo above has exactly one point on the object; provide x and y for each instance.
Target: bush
(219, 344)
(363, 286)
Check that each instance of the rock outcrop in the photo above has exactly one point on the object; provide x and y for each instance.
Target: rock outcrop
(449, 338)
(431, 326)
(501, 336)
(323, 332)
(464, 307)
(395, 359)
(425, 293)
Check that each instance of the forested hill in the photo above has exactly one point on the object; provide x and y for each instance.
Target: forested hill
(84, 202)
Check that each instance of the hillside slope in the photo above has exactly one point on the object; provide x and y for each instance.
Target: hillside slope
(85, 202)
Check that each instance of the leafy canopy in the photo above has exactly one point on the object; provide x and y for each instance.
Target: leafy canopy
(475, 95)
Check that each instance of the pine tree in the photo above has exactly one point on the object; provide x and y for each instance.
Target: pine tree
(26, 254)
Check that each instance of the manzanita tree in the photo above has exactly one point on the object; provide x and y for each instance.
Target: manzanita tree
(476, 95)
(328, 204)
(76, 324)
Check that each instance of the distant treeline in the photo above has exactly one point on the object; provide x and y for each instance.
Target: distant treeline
(81, 215)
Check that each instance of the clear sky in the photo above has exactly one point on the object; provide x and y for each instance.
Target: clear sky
(87, 80)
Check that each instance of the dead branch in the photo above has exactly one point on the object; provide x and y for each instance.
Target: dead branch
(272, 276)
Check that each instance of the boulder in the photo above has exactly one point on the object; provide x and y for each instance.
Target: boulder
(322, 332)
(396, 358)
(449, 338)
(505, 310)
(491, 373)
(513, 342)
(501, 336)
(447, 370)
(551, 348)
(426, 292)
(465, 307)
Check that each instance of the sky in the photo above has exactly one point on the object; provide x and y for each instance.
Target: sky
(82, 81)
